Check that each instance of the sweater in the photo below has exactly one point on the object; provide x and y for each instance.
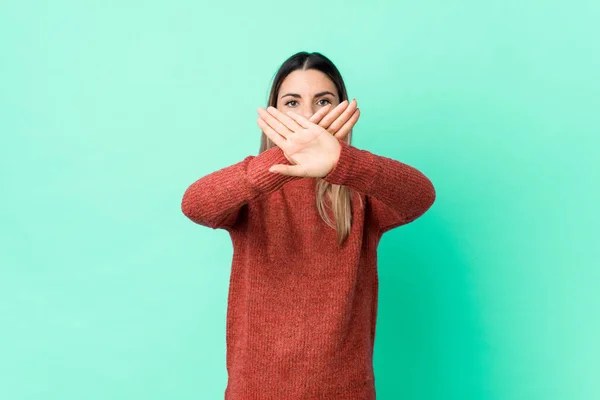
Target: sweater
(301, 310)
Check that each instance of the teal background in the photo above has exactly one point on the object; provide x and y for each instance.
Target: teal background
(109, 110)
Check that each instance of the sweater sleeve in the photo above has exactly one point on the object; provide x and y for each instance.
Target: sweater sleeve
(215, 199)
(398, 193)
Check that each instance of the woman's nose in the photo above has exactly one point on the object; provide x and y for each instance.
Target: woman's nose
(308, 112)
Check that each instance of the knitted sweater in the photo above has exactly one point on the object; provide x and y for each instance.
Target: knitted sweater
(302, 310)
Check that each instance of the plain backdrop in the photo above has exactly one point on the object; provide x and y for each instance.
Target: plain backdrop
(110, 110)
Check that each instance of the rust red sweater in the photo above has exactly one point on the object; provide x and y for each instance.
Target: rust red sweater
(302, 310)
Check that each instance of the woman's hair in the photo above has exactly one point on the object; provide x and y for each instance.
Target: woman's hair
(340, 196)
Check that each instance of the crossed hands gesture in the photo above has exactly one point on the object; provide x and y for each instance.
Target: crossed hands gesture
(311, 145)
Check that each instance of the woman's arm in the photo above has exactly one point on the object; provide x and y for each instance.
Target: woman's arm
(216, 199)
(399, 193)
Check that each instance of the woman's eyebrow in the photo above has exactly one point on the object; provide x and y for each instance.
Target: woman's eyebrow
(316, 95)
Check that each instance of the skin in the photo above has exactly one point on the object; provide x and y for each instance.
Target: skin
(307, 127)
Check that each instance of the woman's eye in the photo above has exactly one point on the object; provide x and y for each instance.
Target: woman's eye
(294, 101)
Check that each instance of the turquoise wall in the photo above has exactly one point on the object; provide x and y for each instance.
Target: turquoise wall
(109, 110)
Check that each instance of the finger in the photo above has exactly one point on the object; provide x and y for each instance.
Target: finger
(347, 127)
(274, 123)
(303, 122)
(279, 140)
(281, 118)
(333, 115)
(316, 117)
(344, 117)
(290, 170)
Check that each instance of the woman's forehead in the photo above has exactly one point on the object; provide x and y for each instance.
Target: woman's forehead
(308, 82)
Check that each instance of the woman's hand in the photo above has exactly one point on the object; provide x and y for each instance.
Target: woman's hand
(338, 121)
(310, 145)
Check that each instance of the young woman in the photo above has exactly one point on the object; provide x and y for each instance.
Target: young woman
(305, 217)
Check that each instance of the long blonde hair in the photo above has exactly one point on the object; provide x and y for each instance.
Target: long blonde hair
(339, 195)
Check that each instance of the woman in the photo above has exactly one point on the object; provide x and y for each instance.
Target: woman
(305, 217)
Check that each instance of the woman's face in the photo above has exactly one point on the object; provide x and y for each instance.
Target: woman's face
(306, 92)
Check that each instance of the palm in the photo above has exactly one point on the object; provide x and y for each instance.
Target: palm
(306, 149)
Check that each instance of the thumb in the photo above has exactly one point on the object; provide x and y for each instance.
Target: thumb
(290, 170)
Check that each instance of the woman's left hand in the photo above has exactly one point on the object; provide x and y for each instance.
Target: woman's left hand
(313, 148)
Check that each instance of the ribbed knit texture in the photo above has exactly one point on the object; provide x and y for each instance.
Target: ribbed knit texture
(302, 310)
